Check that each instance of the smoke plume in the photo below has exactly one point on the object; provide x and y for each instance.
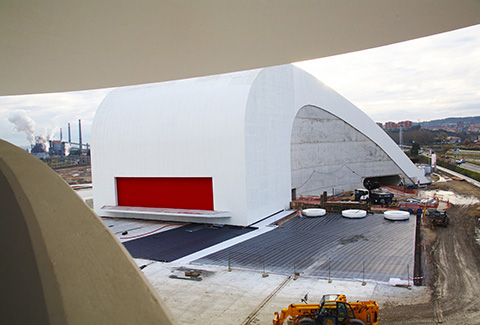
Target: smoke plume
(23, 123)
(43, 140)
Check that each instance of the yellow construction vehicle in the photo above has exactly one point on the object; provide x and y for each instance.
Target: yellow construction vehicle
(332, 309)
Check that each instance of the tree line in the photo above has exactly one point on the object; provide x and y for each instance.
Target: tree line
(424, 137)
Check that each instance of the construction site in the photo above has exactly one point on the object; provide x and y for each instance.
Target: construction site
(304, 200)
(228, 185)
(243, 275)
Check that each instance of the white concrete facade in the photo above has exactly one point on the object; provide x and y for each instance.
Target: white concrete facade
(235, 128)
(328, 154)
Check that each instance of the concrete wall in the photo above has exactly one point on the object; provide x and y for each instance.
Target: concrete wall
(328, 154)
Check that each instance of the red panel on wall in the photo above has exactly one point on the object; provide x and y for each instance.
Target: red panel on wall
(166, 192)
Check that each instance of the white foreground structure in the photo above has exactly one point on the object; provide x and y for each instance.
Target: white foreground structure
(231, 148)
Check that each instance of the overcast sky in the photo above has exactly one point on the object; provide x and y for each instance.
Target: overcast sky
(419, 80)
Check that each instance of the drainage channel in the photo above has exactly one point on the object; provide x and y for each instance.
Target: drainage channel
(255, 312)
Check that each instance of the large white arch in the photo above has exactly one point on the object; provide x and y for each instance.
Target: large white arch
(234, 128)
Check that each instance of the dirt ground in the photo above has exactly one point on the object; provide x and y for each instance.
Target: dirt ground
(76, 175)
(452, 267)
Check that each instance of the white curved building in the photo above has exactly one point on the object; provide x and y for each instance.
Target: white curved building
(231, 148)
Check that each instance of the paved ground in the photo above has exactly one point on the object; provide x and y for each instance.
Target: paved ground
(246, 297)
(330, 246)
(176, 243)
(467, 179)
(242, 296)
(469, 166)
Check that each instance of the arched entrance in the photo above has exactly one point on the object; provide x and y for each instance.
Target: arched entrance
(328, 154)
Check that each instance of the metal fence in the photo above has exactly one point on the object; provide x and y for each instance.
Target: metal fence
(65, 162)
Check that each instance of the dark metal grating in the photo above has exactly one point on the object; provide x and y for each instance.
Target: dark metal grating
(331, 246)
(179, 242)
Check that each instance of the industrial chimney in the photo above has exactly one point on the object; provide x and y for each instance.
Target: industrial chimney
(69, 136)
(80, 135)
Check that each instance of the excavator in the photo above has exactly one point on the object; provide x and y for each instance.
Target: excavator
(333, 309)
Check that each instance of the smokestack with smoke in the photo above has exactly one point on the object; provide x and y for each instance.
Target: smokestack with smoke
(23, 123)
(42, 140)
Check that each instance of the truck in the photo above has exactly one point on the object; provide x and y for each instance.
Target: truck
(332, 309)
(376, 196)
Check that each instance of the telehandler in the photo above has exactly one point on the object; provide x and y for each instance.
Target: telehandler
(333, 309)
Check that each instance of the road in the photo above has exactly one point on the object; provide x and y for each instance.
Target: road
(472, 167)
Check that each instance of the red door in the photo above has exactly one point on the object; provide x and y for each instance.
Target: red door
(166, 192)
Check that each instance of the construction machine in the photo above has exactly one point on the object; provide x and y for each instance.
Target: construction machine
(376, 196)
(333, 309)
(437, 218)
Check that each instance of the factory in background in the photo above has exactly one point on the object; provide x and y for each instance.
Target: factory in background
(44, 148)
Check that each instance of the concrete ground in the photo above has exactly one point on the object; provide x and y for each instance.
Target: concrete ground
(246, 297)
(250, 296)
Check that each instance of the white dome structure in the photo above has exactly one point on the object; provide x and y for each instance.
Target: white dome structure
(231, 148)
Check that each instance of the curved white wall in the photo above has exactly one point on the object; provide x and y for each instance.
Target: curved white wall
(275, 98)
(235, 128)
(186, 128)
(330, 155)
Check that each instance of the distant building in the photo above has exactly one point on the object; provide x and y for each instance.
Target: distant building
(474, 128)
(59, 148)
(39, 151)
(402, 124)
(390, 125)
(454, 140)
(405, 124)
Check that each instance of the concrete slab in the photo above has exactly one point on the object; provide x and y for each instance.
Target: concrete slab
(133, 212)
(245, 297)
(85, 193)
(129, 229)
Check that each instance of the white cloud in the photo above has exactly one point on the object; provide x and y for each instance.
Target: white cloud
(428, 78)
(50, 112)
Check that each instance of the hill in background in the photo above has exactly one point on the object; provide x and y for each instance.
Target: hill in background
(467, 121)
